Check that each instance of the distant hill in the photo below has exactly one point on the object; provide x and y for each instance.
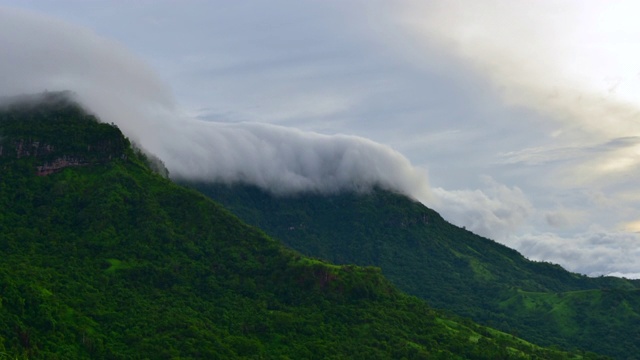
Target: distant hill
(449, 266)
(102, 258)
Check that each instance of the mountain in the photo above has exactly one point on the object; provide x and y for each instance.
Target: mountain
(450, 267)
(103, 258)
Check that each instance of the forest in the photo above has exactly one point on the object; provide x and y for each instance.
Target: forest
(449, 267)
(104, 258)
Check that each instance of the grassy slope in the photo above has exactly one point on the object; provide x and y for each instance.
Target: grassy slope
(109, 260)
(450, 267)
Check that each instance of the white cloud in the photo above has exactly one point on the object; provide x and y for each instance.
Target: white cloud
(565, 59)
(38, 53)
(594, 252)
(121, 89)
(575, 62)
(495, 211)
(285, 160)
(563, 218)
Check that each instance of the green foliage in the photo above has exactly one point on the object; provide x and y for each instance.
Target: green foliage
(111, 261)
(450, 267)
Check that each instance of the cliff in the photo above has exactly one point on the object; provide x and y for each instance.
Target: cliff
(56, 134)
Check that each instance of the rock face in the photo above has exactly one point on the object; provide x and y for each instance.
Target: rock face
(49, 159)
(30, 148)
(54, 133)
(59, 164)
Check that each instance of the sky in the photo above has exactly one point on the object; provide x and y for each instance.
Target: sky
(518, 120)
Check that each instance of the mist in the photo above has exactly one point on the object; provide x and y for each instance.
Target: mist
(38, 54)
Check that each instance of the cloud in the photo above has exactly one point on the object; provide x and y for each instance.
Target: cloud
(593, 252)
(604, 163)
(121, 89)
(495, 211)
(563, 218)
(285, 160)
(540, 156)
(572, 60)
(40, 53)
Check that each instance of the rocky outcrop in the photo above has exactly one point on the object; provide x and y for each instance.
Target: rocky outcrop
(52, 132)
(59, 164)
(52, 160)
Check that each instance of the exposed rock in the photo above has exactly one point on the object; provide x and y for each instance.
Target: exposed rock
(59, 164)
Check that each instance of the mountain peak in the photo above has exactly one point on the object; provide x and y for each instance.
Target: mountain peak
(49, 132)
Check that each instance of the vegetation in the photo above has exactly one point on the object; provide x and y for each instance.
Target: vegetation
(450, 267)
(103, 258)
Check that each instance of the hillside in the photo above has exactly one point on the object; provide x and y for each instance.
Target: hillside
(448, 266)
(103, 258)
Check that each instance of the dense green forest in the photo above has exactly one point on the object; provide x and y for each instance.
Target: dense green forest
(103, 258)
(449, 266)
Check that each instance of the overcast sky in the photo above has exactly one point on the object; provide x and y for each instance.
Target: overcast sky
(518, 120)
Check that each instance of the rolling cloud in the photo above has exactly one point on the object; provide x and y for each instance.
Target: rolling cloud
(121, 89)
(287, 160)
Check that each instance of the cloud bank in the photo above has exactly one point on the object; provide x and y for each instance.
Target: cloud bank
(593, 252)
(496, 211)
(288, 160)
(121, 89)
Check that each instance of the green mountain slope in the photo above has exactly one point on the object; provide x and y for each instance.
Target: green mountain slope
(102, 258)
(452, 268)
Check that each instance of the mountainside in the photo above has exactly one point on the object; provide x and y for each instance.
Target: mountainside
(449, 266)
(103, 258)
